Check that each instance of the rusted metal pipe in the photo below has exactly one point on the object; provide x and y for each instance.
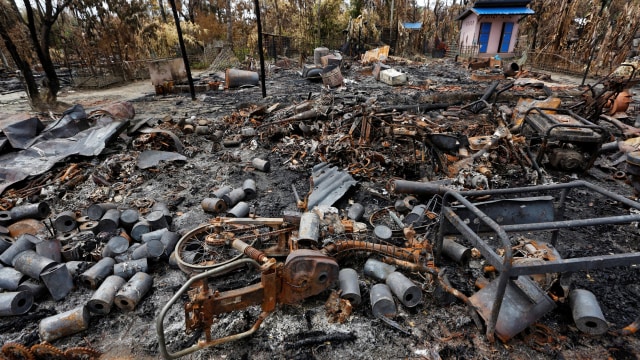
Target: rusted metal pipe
(115, 246)
(309, 230)
(133, 291)
(15, 303)
(110, 221)
(30, 263)
(213, 205)
(586, 312)
(456, 252)
(64, 324)
(65, 221)
(33, 211)
(419, 188)
(405, 290)
(157, 220)
(240, 210)
(96, 211)
(97, 273)
(10, 278)
(349, 286)
(102, 299)
(128, 218)
(22, 243)
(127, 269)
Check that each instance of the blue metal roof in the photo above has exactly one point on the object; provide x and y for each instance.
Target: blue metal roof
(503, 11)
(412, 26)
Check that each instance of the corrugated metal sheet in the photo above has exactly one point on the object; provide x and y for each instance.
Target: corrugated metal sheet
(329, 185)
(412, 26)
(503, 11)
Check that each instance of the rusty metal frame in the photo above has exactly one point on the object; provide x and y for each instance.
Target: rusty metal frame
(504, 264)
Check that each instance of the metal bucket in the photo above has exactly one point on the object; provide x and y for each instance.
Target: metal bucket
(331, 76)
(236, 78)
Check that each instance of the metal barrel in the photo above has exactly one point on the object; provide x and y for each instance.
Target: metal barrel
(213, 205)
(160, 206)
(404, 289)
(115, 246)
(235, 78)
(240, 210)
(102, 299)
(97, 273)
(30, 263)
(22, 243)
(35, 288)
(76, 267)
(233, 197)
(377, 270)
(64, 324)
(456, 252)
(127, 269)
(10, 278)
(110, 221)
(260, 164)
(382, 303)
(157, 220)
(65, 221)
(249, 188)
(15, 303)
(96, 211)
(222, 191)
(133, 291)
(30, 211)
(128, 218)
(141, 227)
(349, 286)
(5, 242)
(150, 249)
(309, 229)
(169, 240)
(586, 312)
(355, 212)
(153, 235)
(5, 218)
(91, 226)
(416, 216)
(58, 280)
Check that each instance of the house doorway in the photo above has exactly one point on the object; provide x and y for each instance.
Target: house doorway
(483, 38)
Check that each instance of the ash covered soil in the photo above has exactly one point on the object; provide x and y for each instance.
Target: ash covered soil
(439, 327)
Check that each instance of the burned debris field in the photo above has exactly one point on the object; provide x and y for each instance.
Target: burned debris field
(242, 214)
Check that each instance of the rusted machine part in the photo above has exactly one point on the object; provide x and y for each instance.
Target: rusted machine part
(133, 291)
(586, 312)
(250, 251)
(65, 221)
(341, 246)
(47, 351)
(22, 243)
(631, 328)
(93, 277)
(349, 286)
(89, 226)
(164, 208)
(15, 303)
(382, 304)
(377, 269)
(34, 211)
(17, 351)
(127, 269)
(64, 324)
(419, 188)
(456, 252)
(404, 289)
(58, 280)
(96, 211)
(620, 103)
(102, 299)
(36, 289)
(82, 352)
(169, 240)
(30, 263)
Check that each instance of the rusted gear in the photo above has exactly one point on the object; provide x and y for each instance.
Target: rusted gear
(46, 351)
(15, 351)
(81, 353)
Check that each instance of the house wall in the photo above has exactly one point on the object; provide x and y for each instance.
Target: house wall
(470, 31)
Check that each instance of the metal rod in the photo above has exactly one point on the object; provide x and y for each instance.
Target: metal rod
(260, 50)
(183, 49)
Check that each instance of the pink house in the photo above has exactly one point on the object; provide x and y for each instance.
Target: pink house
(490, 27)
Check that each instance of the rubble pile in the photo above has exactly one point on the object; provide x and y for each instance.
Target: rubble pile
(424, 211)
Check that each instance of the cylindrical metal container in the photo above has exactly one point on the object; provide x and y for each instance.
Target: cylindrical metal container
(10, 278)
(15, 303)
(213, 205)
(128, 218)
(96, 211)
(160, 206)
(260, 164)
(377, 270)
(35, 288)
(586, 312)
(382, 303)
(350, 286)
(150, 249)
(64, 324)
(169, 240)
(97, 273)
(356, 211)
(416, 216)
(30, 211)
(157, 220)
(153, 235)
(173, 262)
(102, 299)
(58, 280)
(309, 230)
(76, 267)
(5, 218)
(141, 227)
(133, 291)
(202, 129)
(71, 251)
(455, 251)
(233, 197)
(115, 246)
(110, 221)
(382, 233)
(5, 242)
(22, 243)
(249, 188)
(48, 248)
(240, 210)
(127, 269)
(65, 221)
(222, 192)
(408, 292)
(30, 263)
(236, 78)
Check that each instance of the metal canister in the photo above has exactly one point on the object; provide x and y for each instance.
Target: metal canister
(96, 211)
(30, 211)
(71, 251)
(5, 242)
(309, 230)
(141, 227)
(377, 270)
(64, 324)
(382, 233)
(127, 269)
(408, 292)
(128, 218)
(150, 249)
(30, 263)
(115, 246)
(157, 220)
(240, 210)
(213, 205)
(58, 280)
(349, 286)
(76, 267)
(416, 216)
(356, 211)
(222, 191)
(249, 188)
(133, 291)
(97, 273)
(35, 288)
(10, 278)
(49, 248)
(22, 243)
(65, 221)
(456, 252)
(233, 197)
(260, 164)
(586, 312)
(5, 218)
(102, 299)
(382, 303)
(160, 206)
(153, 235)
(110, 221)
(169, 240)
(15, 303)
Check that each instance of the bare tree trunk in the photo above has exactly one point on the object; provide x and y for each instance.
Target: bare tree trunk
(229, 24)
